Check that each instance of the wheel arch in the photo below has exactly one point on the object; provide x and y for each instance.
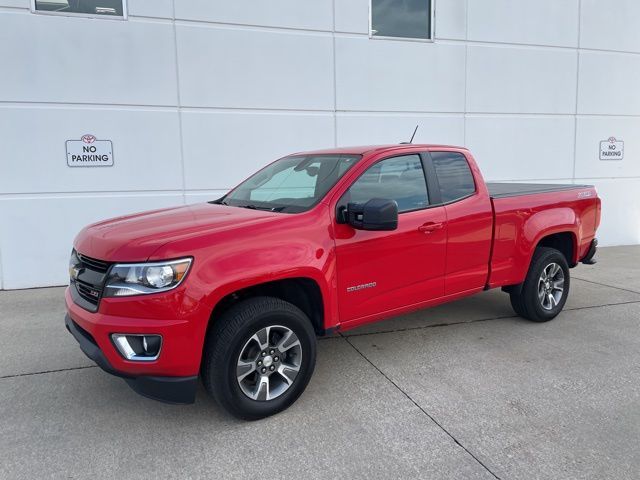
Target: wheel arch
(302, 291)
(565, 242)
(562, 239)
(554, 227)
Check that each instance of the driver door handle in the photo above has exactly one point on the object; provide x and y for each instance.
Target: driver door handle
(430, 227)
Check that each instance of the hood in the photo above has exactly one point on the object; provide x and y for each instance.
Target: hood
(134, 238)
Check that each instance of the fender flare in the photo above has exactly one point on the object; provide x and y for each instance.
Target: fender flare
(328, 301)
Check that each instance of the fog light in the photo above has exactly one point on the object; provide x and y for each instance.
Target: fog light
(137, 347)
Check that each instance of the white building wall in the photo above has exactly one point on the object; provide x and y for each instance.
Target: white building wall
(196, 94)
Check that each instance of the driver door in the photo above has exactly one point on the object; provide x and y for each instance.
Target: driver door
(383, 271)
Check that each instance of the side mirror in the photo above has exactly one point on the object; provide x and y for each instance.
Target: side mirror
(376, 214)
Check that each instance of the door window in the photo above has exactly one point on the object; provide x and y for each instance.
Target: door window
(398, 178)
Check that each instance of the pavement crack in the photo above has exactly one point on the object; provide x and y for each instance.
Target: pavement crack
(606, 285)
(47, 371)
(449, 434)
(614, 304)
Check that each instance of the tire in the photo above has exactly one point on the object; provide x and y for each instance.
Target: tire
(538, 300)
(245, 335)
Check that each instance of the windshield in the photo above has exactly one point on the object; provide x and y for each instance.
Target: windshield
(292, 184)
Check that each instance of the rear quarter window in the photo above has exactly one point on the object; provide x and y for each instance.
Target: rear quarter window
(454, 176)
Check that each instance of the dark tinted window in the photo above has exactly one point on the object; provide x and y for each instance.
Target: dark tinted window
(399, 178)
(401, 18)
(454, 175)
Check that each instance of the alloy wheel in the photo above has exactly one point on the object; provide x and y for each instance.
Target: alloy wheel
(551, 286)
(269, 362)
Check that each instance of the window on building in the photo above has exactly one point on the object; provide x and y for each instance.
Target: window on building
(402, 19)
(454, 176)
(113, 8)
(398, 178)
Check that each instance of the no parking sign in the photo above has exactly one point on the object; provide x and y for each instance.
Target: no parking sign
(89, 152)
(611, 149)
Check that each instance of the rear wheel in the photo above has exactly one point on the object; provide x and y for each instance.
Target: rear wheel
(546, 287)
(259, 357)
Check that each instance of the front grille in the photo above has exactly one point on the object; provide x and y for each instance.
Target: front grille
(89, 282)
(88, 292)
(93, 264)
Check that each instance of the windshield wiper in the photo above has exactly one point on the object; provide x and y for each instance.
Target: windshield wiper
(267, 209)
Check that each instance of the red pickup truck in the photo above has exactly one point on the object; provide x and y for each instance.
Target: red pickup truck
(236, 290)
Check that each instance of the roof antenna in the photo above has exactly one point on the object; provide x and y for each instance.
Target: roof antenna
(410, 141)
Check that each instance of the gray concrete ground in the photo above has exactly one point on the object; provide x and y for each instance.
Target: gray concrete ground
(464, 390)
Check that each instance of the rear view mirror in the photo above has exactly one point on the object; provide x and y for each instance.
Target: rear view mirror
(376, 214)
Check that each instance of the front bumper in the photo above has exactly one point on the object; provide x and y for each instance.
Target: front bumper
(164, 389)
(183, 334)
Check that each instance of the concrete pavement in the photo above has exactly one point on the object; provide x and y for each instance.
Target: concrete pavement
(465, 390)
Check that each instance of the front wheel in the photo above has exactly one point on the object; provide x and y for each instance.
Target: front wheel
(259, 357)
(546, 287)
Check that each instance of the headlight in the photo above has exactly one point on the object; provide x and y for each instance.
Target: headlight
(74, 265)
(141, 278)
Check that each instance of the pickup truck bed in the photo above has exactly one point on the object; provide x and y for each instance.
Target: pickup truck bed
(506, 189)
(525, 212)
